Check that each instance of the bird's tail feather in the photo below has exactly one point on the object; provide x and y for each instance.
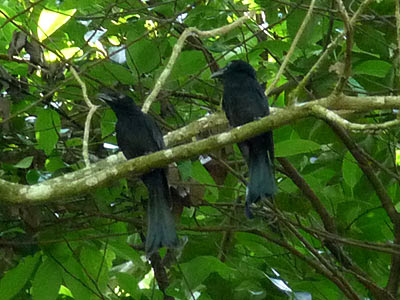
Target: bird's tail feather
(161, 226)
(261, 179)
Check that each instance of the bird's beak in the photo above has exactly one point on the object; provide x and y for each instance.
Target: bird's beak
(219, 73)
(104, 97)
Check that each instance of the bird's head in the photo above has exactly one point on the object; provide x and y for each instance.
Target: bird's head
(234, 68)
(115, 100)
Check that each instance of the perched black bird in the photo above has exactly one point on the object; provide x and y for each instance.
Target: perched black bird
(244, 101)
(138, 134)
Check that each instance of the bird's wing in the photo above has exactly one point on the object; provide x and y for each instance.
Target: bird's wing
(261, 96)
(155, 133)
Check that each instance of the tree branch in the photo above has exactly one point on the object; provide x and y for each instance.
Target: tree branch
(113, 168)
(292, 48)
(178, 48)
(92, 110)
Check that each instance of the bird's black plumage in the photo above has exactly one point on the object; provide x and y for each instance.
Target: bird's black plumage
(138, 134)
(244, 101)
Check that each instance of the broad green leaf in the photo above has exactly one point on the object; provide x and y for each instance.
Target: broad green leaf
(78, 283)
(188, 62)
(185, 169)
(47, 281)
(96, 265)
(15, 279)
(311, 34)
(377, 68)
(120, 73)
(108, 123)
(74, 142)
(204, 266)
(277, 47)
(54, 163)
(221, 288)
(201, 175)
(351, 171)
(65, 291)
(143, 55)
(227, 192)
(50, 21)
(32, 176)
(372, 40)
(47, 127)
(6, 31)
(24, 163)
(295, 146)
(129, 284)
(123, 250)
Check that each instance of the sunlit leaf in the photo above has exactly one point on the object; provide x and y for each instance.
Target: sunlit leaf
(50, 21)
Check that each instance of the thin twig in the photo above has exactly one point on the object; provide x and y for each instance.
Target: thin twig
(178, 48)
(329, 49)
(19, 14)
(92, 109)
(397, 61)
(364, 165)
(292, 48)
(346, 72)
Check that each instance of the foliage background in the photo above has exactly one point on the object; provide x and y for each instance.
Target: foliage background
(338, 190)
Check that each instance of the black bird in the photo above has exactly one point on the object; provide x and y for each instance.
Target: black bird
(243, 102)
(138, 134)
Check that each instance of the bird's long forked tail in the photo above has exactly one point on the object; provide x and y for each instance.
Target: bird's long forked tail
(160, 222)
(261, 179)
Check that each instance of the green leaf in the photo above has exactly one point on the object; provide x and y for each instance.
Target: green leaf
(295, 146)
(188, 62)
(24, 163)
(143, 55)
(32, 176)
(96, 264)
(123, 250)
(377, 68)
(74, 142)
(47, 281)
(108, 123)
(129, 284)
(47, 127)
(50, 21)
(54, 163)
(276, 47)
(15, 279)
(204, 266)
(77, 283)
(201, 175)
(311, 34)
(110, 73)
(351, 172)
(185, 169)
